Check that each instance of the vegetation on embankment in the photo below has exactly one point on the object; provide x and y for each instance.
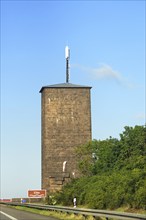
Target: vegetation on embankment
(113, 173)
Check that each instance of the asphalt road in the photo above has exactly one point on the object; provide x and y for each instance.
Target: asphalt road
(7, 213)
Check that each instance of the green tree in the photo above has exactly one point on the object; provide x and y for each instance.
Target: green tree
(133, 148)
(114, 177)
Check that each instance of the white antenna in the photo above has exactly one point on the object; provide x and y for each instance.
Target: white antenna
(67, 52)
(67, 56)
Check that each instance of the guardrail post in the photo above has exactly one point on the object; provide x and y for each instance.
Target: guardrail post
(84, 216)
(97, 217)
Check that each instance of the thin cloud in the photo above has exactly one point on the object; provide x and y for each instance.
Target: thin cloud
(140, 116)
(103, 71)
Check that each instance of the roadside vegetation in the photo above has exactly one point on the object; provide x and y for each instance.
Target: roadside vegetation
(113, 173)
(56, 215)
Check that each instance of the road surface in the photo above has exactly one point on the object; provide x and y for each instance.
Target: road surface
(7, 213)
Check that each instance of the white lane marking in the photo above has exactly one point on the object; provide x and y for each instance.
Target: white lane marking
(9, 216)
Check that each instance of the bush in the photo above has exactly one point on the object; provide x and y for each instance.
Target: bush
(117, 176)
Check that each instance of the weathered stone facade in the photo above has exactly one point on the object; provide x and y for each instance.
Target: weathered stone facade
(66, 123)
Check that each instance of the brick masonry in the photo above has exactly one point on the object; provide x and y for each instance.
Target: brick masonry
(66, 123)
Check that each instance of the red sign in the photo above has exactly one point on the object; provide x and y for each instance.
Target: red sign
(5, 200)
(37, 193)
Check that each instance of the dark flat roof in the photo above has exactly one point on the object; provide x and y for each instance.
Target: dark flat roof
(64, 85)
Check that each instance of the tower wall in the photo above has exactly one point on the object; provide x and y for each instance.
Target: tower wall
(66, 123)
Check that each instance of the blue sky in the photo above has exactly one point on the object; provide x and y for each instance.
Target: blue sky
(107, 47)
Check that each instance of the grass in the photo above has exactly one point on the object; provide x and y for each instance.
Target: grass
(71, 216)
(59, 215)
(131, 210)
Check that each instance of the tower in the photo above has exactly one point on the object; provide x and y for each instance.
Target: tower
(66, 123)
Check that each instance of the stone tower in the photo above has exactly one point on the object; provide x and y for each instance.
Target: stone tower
(66, 123)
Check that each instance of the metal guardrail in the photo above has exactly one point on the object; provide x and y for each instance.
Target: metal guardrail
(84, 212)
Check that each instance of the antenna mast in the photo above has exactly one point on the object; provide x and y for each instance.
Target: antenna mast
(67, 56)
